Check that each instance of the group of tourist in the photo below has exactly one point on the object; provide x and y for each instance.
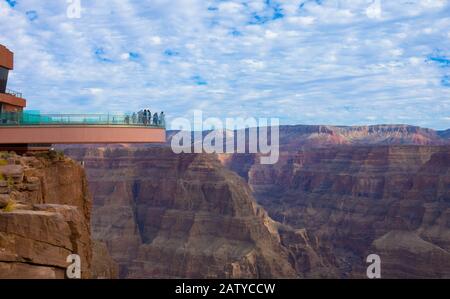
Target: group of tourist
(145, 117)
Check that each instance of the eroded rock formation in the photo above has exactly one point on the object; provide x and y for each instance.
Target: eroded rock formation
(44, 216)
(356, 200)
(167, 215)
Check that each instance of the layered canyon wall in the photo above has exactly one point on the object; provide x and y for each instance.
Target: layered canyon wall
(393, 201)
(45, 210)
(164, 215)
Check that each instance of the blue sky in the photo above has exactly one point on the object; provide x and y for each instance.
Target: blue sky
(342, 62)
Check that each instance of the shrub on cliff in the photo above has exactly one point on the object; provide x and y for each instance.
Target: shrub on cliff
(8, 206)
(10, 181)
(52, 155)
(5, 155)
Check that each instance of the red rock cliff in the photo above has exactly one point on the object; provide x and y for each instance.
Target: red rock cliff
(44, 218)
(45, 211)
(357, 200)
(167, 215)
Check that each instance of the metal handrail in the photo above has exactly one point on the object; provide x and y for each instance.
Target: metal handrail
(14, 93)
(37, 119)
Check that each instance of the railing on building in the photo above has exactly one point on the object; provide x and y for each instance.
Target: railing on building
(14, 93)
(37, 119)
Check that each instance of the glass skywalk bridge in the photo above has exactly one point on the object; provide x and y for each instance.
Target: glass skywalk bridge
(24, 130)
(34, 118)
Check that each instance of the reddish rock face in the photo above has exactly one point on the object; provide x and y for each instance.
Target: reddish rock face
(355, 199)
(292, 138)
(48, 218)
(165, 215)
(351, 189)
(45, 211)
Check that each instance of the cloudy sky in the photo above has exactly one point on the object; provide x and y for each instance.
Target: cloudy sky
(343, 62)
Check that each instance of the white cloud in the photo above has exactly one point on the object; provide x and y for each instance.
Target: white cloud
(125, 56)
(374, 10)
(270, 34)
(434, 3)
(96, 91)
(301, 20)
(253, 64)
(396, 52)
(230, 7)
(156, 40)
(257, 5)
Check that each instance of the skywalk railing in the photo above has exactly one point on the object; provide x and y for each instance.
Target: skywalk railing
(14, 93)
(37, 119)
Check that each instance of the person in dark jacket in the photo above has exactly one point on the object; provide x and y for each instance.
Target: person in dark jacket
(162, 119)
(149, 120)
(145, 117)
